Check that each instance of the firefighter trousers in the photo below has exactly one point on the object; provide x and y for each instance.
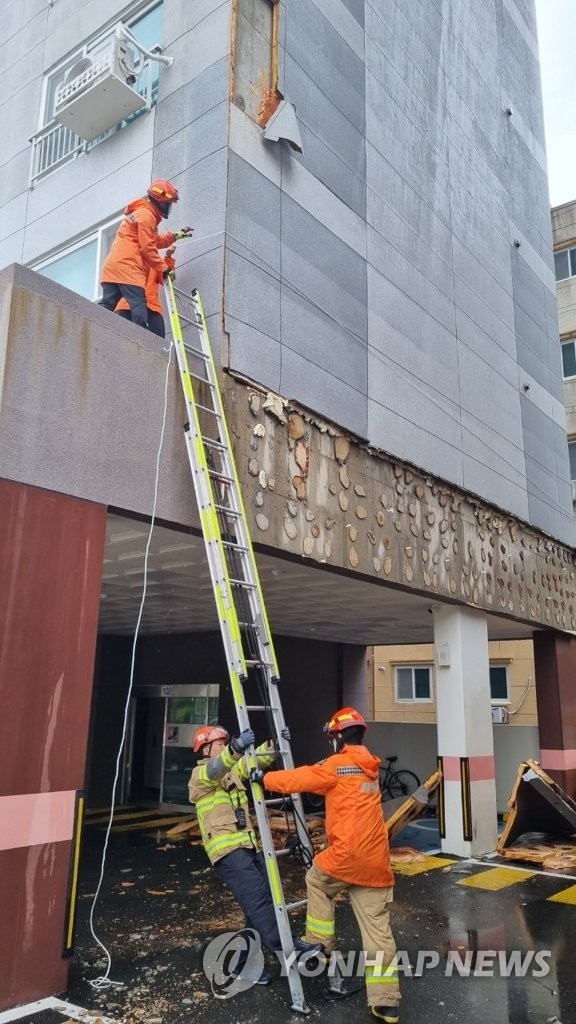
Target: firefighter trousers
(371, 910)
(244, 872)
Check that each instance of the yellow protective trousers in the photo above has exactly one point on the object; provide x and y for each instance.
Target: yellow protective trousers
(371, 910)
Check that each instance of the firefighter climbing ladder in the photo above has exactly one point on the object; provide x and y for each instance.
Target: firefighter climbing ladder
(248, 646)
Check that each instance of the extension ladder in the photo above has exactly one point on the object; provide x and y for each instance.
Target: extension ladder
(246, 636)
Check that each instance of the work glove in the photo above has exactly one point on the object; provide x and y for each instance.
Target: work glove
(241, 743)
(169, 274)
(256, 775)
(182, 233)
(285, 733)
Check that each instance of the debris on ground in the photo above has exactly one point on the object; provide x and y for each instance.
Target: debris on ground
(541, 826)
(405, 855)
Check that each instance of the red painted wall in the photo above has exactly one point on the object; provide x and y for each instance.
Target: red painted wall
(51, 553)
(555, 668)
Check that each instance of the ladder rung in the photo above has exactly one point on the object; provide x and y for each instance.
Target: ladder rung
(201, 380)
(296, 904)
(275, 801)
(236, 547)
(243, 583)
(228, 511)
(260, 707)
(204, 408)
(216, 475)
(252, 662)
(188, 322)
(284, 853)
(214, 444)
(195, 351)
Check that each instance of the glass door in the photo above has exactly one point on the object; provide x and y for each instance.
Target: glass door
(177, 713)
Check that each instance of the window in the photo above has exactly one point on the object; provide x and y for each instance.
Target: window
(499, 683)
(256, 55)
(565, 263)
(78, 266)
(569, 359)
(54, 144)
(413, 683)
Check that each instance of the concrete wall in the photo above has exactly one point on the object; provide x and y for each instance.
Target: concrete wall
(517, 655)
(375, 278)
(386, 290)
(81, 412)
(417, 747)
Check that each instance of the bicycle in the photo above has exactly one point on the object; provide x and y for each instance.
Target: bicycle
(392, 782)
(395, 783)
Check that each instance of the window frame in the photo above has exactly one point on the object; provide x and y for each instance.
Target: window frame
(96, 233)
(571, 444)
(500, 701)
(570, 251)
(564, 342)
(414, 699)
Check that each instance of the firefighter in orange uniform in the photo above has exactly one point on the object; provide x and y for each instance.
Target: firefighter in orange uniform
(357, 857)
(134, 252)
(153, 305)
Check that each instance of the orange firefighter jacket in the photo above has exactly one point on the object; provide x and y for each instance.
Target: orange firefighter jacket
(358, 850)
(134, 251)
(151, 289)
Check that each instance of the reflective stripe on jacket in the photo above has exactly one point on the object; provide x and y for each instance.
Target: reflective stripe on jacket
(357, 850)
(134, 251)
(217, 800)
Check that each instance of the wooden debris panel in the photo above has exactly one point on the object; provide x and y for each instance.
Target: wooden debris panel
(411, 808)
(541, 826)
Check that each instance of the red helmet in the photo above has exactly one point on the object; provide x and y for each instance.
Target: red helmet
(163, 191)
(207, 734)
(344, 719)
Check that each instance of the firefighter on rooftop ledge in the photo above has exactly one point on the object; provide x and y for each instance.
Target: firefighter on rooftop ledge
(134, 252)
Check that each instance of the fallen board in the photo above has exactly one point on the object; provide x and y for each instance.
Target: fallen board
(542, 820)
(550, 854)
(410, 809)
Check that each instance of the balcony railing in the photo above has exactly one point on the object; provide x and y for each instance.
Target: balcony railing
(52, 146)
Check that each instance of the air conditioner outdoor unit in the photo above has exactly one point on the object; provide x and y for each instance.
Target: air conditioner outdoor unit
(499, 716)
(98, 90)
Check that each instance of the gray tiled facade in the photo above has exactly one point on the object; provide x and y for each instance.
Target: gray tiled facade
(375, 278)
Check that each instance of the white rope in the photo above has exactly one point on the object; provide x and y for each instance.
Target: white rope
(104, 981)
(514, 711)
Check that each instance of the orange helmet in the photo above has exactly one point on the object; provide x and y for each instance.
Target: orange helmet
(344, 719)
(163, 191)
(207, 734)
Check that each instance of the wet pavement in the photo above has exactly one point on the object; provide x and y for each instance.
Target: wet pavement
(160, 903)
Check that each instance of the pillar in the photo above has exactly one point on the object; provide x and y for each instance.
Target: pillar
(51, 553)
(465, 737)
(555, 670)
(357, 692)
